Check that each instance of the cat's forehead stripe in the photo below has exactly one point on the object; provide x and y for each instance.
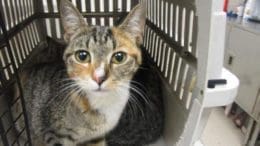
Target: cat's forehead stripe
(96, 34)
(101, 35)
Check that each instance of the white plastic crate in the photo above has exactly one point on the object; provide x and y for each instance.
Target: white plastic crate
(184, 38)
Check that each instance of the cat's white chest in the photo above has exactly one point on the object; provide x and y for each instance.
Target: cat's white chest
(112, 114)
(109, 108)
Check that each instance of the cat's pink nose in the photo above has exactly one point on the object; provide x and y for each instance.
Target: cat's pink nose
(99, 80)
(99, 75)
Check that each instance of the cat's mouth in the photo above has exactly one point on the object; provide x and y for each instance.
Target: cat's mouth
(99, 89)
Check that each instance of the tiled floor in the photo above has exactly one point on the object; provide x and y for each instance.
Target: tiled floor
(220, 131)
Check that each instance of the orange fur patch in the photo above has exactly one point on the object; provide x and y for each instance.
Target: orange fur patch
(125, 41)
(81, 102)
(79, 70)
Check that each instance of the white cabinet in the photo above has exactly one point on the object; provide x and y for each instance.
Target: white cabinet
(242, 57)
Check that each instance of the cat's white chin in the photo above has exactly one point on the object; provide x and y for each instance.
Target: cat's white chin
(97, 93)
(90, 85)
(101, 90)
(104, 95)
(107, 98)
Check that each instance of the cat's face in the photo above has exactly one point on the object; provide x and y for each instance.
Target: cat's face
(102, 58)
(99, 58)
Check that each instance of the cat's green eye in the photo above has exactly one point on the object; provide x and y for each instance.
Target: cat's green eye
(119, 57)
(82, 56)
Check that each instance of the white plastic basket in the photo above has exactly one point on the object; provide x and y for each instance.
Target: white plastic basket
(184, 38)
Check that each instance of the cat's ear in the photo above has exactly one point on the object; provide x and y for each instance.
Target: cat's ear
(135, 22)
(71, 19)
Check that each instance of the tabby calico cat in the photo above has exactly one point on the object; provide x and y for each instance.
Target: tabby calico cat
(83, 98)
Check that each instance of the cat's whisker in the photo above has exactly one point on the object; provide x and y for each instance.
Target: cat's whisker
(143, 68)
(132, 107)
(65, 82)
(135, 83)
(79, 95)
(137, 104)
(74, 92)
(67, 87)
(63, 87)
(139, 92)
(61, 92)
(63, 78)
(140, 84)
(134, 100)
